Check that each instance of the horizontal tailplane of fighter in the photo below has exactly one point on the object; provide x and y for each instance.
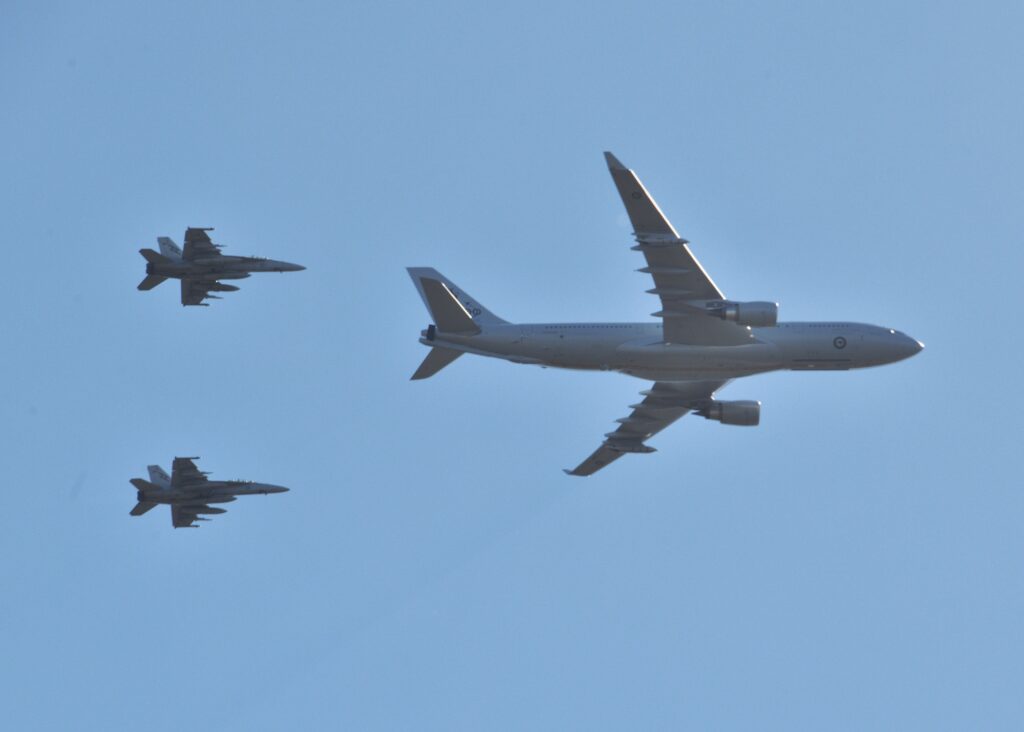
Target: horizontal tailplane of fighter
(201, 265)
(189, 492)
(701, 341)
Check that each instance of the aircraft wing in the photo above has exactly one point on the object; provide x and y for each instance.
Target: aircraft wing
(199, 246)
(679, 279)
(185, 473)
(185, 516)
(663, 404)
(194, 291)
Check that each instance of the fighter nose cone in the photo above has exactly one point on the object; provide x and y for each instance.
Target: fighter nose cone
(293, 267)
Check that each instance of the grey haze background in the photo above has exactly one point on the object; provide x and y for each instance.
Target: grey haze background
(854, 563)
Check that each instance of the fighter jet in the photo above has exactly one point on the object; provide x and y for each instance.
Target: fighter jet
(701, 341)
(201, 266)
(188, 492)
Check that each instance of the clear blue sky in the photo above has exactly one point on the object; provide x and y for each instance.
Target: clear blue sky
(854, 563)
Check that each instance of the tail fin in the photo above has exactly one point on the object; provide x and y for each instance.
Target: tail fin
(168, 248)
(476, 311)
(158, 476)
(143, 486)
(150, 282)
(448, 312)
(436, 360)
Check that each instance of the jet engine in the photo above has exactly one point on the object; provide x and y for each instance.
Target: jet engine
(757, 314)
(743, 413)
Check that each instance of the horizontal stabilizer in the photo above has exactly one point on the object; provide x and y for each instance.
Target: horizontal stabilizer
(150, 282)
(436, 360)
(154, 258)
(141, 507)
(144, 485)
(449, 314)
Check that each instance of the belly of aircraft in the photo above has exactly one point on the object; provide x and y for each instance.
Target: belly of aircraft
(657, 361)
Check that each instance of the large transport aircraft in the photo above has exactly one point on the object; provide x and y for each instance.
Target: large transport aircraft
(702, 342)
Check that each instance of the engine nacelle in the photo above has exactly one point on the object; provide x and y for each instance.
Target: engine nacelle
(756, 314)
(743, 413)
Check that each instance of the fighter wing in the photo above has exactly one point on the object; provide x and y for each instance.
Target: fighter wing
(194, 291)
(185, 516)
(185, 473)
(663, 404)
(199, 246)
(679, 279)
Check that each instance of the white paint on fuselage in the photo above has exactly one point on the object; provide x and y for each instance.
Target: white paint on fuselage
(637, 349)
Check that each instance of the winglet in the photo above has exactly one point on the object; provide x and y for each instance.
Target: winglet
(613, 162)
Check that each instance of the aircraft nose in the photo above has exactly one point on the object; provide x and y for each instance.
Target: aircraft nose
(293, 267)
(911, 347)
(267, 488)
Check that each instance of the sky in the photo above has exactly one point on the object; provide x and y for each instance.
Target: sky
(853, 563)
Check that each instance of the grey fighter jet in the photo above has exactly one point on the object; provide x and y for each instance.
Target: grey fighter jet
(189, 492)
(201, 265)
(701, 341)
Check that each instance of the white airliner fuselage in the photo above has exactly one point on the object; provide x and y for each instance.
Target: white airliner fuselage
(638, 349)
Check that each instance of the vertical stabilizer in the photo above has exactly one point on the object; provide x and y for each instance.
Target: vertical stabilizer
(158, 477)
(449, 314)
(479, 314)
(168, 248)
